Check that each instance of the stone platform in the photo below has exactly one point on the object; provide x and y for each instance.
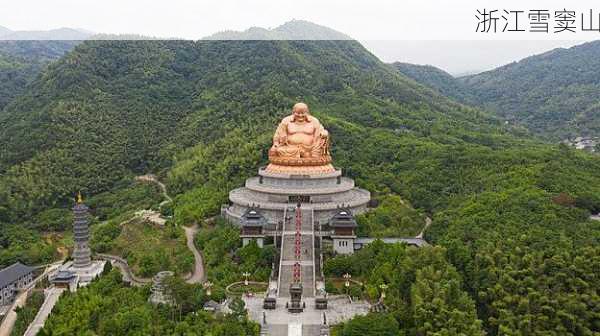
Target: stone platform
(272, 192)
(310, 321)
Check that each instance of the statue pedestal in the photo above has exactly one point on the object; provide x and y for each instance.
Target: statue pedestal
(271, 193)
(300, 166)
(295, 305)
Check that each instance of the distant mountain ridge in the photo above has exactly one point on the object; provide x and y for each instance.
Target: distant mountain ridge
(4, 31)
(555, 94)
(22, 61)
(292, 30)
(60, 34)
(437, 79)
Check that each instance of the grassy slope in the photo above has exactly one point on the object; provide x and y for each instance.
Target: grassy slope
(150, 249)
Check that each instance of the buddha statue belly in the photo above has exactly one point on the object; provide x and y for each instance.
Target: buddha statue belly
(299, 140)
(301, 135)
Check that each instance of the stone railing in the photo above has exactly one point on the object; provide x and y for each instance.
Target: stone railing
(125, 268)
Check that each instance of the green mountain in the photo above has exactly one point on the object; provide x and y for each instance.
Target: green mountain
(555, 94)
(510, 214)
(437, 79)
(95, 121)
(22, 61)
(292, 30)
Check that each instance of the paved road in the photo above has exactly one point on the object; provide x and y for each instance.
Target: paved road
(11, 317)
(198, 275)
(52, 296)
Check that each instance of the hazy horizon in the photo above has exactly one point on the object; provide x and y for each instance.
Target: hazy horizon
(422, 33)
(462, 57)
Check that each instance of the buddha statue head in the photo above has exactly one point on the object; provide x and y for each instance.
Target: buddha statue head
(300, 112)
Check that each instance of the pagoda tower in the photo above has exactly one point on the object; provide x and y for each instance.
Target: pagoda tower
(81, 235)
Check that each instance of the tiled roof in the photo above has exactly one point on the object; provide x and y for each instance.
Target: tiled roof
(13, 272)
(410, 241)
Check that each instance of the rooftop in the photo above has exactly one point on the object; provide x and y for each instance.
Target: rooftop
(252, 217)
(63, 275)
(14, 272)
(343, 218)
(419, 242)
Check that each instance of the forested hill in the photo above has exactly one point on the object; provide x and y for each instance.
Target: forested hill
(555, 94)
(510, 214)
(112, 108)
(22, 61)
(437, 79)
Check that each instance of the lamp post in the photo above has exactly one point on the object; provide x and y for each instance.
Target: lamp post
(246, 275)
(383, 288)
(207, 285)
(347, 277)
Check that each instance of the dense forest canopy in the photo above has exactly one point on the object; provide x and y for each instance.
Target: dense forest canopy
(510, 214)
(555, 94)
(22, 61)
(438, 80)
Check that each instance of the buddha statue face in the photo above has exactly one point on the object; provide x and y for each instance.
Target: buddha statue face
(300, 112)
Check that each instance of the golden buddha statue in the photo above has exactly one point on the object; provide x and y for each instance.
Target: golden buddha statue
(300, 144)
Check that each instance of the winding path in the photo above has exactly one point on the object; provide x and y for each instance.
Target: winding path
(122, 264)
(198, 275)
(153, 179)
(427, 224)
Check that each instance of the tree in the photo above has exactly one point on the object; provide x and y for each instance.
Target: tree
(107, 268)
(238, 308)
(373, 324)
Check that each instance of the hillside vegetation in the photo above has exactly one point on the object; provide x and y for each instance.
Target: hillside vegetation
(510, 214)
(437, 79)
(554, 95)
(22, 61)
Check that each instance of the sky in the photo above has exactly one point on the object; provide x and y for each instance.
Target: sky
(424, 31)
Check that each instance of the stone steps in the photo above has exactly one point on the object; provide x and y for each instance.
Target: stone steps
(288, 251)
(282, 330)
(306, 260)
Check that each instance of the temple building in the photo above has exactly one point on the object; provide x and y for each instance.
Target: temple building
(343, 224)
(12, 279)
(253, 223)
(296, 200)
(303, 204)
(81, 234)
(82, 270)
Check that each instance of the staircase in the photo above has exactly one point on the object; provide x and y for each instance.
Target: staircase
(288, 258)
